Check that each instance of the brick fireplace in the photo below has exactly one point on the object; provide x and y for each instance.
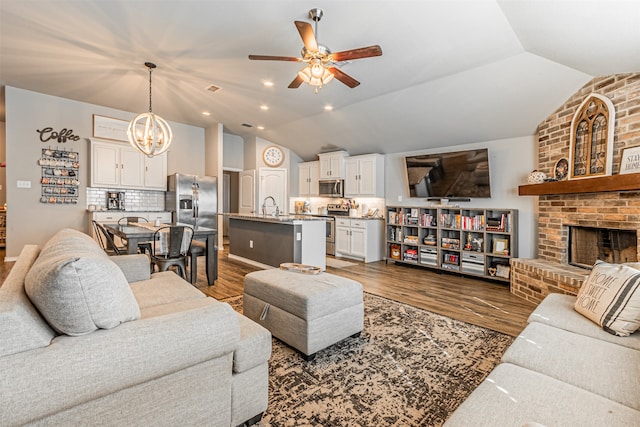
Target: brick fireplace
(607, 207)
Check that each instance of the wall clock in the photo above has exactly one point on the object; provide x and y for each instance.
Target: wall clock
(273, 156)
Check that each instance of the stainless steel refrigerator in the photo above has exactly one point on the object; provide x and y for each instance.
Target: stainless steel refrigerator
(193, 199)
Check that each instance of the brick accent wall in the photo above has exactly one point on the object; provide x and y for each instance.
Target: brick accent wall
(557, 212)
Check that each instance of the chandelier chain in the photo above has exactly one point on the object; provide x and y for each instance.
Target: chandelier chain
(150, 69)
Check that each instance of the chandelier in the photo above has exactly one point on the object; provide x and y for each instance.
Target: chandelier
(147, 132)
(316, 74)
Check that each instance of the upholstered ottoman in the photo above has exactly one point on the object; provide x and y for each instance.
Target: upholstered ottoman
(307, 311)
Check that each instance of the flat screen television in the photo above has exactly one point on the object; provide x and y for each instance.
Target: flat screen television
(449, 175)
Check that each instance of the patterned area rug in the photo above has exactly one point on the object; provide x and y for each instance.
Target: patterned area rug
(409, 367)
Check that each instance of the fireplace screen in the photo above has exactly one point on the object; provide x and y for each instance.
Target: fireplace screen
(587, 244)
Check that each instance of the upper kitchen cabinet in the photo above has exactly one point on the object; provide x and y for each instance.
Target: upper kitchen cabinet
(118, 165)
(364, 176)
(155, 172)
(332, 165)
(308, 173)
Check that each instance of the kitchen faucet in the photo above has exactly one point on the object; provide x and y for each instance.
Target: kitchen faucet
(273, 203)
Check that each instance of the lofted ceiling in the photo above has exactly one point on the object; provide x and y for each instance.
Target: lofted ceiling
(452, 72)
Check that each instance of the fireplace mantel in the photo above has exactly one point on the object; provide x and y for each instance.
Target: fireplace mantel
(628, 182)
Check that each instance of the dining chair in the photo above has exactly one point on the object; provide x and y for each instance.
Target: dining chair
(170, 247)
(143, 247)
(106, 240)
(127, 219)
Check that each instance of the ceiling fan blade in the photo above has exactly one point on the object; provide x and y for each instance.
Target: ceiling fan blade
(308, 38)
(273, 58)
(363, 52)
(344, 77)
(295, 83)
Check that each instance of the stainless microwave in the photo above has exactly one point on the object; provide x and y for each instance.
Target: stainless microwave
(332, 188)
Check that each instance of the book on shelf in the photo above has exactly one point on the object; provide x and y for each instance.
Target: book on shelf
(473, 222)
(393, 217)
(449, 243)
(449, 220)
(427, 220)
(501, 223)
(411, 255)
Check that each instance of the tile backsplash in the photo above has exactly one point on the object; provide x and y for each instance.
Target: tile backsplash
(135, 200)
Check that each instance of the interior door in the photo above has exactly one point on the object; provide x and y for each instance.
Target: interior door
(247, 188)
(273, 182)
(226, 199)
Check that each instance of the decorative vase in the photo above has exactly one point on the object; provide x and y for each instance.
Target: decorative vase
(536, 177)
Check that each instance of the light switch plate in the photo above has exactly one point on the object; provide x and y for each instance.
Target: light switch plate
(24, 184)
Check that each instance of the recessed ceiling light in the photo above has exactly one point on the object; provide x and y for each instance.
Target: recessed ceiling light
(206, 113)
(261, 127)
(267, 83)
(328, 108)
(264, 107)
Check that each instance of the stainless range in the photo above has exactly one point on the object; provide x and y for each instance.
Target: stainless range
(333, 210)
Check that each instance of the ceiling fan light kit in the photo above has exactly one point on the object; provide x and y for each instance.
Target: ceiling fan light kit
(322, 64)
(147, 132)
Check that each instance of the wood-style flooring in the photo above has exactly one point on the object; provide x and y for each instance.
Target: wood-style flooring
(479, 302)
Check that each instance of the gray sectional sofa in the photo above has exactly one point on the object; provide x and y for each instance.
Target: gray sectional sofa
(87, 339)
(562, 370)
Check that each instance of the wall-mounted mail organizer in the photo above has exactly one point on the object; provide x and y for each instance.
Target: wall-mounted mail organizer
(60, 172)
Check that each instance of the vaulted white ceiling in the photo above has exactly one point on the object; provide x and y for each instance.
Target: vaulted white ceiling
(452, 71)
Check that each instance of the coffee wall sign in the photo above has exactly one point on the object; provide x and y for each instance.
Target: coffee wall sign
(63, 135)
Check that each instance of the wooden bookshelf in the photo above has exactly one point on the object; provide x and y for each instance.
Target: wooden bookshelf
(628, 182)
(471, 241)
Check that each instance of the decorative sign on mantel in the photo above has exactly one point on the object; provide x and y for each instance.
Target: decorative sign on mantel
(630, 162)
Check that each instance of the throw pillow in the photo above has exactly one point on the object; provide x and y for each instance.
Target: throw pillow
(78, 289)
(611, 298)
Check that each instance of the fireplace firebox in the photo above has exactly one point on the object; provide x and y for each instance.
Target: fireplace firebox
(588, 244)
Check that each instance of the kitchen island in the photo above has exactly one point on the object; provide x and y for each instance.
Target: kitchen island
(268, 241)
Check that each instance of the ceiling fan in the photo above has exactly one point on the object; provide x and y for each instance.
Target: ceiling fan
(322, 64)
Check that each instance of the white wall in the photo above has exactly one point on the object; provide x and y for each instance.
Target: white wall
(28, 220)
(233, 155)
(510, 162)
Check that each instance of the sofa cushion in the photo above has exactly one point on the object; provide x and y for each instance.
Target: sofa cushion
(518, 397)
(255, 345)
(609, 370)
(557, 310)
(165, 287)
(611, 297)
(22, 326)
(77, 288)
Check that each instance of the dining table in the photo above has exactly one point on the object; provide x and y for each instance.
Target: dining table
(133, 233)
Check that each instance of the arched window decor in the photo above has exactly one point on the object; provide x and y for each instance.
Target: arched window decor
(592, 138)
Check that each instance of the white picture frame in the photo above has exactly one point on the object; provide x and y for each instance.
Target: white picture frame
(630, 160)
(110, 128)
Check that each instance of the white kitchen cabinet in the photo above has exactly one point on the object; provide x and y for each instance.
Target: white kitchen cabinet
(118, 165)
(364, 176)
(332, 165)
(308, 174)
(359, 239)
(155, 172)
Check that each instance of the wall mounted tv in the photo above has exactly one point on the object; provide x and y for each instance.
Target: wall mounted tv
(450, 175)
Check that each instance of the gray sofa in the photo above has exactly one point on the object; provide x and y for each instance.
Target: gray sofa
(562, 370)
(87, 339)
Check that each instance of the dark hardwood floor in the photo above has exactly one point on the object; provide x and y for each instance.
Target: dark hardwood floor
(479, 302)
